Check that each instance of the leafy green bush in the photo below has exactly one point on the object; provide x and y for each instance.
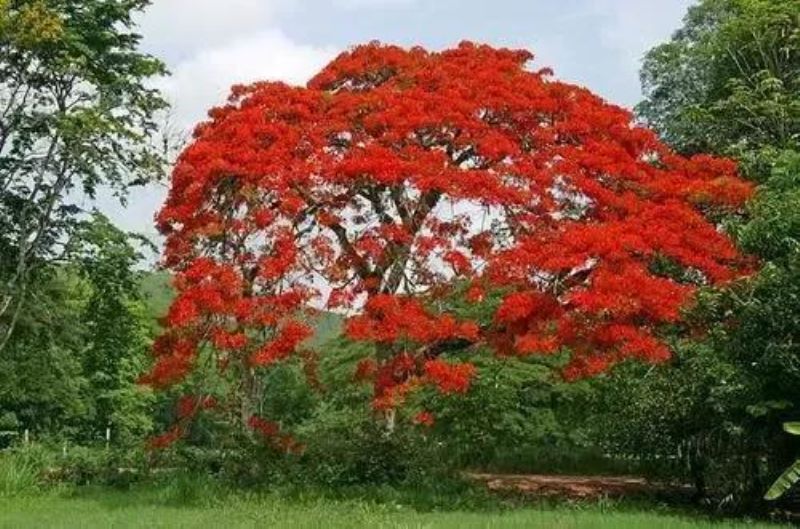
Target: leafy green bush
(21, 471)
(40, 466)
(348, 447)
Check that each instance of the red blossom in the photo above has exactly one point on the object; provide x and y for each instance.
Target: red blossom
(365, 369)
(450, 378)
(475, 294)
(286, 341)
(271, 432)
(424, 418)
(264, 427)
(189, 405)
(166, 439)
(223, 339)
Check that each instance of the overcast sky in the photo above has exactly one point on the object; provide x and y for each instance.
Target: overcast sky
(209, 45)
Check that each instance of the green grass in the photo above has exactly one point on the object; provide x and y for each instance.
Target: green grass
(163, 509)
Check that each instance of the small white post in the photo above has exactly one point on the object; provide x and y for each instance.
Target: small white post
(108, 436)
(27, 437)
(64, 449)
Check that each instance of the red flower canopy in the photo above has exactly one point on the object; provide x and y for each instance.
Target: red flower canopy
(396, 173)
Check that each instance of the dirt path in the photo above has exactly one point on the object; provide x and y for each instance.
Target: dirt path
(577, 487)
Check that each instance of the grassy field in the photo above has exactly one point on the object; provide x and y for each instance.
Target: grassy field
(114, 510)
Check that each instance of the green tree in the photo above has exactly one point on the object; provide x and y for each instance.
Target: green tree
(117, 330)
(729, 81)
(76, 114)
(42, 382)
(71, 368)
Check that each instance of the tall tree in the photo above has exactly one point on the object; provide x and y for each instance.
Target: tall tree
(397, 172)
(76, 114)
(116, 329)
(728, 81)
(71, 368)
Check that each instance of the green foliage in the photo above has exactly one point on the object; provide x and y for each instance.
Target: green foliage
(714, 413)
(687, 419)
(729, 81)
(515, 409)
(20, 473)
(116, 330)
(773, 232)
(79, 114)
(70, 370)
(517, 414)
(791, 475)
(157, 294)
(42, 384)
(42, 467)
(346, 447)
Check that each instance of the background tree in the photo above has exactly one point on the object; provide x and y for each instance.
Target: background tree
(75, 115)
(71, 368)
(728, 82)
(117, 332)
(397, 172)
(42, 384)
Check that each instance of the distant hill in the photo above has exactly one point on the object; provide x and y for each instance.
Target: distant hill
(157, 293)
(327, 327)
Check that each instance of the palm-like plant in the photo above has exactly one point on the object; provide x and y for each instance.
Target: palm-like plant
(791, 475)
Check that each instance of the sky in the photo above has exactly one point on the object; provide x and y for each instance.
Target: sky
(209, 45)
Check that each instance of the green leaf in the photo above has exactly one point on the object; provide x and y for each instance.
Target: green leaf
(786, 480)
(792, 427)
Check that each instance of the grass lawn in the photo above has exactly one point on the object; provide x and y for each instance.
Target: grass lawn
(112, 510)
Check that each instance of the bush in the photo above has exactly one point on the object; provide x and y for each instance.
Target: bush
(349, 447)
(93, 465)
(20, 471)
(33, 467)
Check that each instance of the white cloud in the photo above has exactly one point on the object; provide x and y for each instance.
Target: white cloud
(360, 4)
(203, 80)
(175, 28)
(613, 36)
(210, 45)
(634, 26)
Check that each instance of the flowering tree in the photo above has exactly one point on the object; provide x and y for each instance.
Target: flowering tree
(398, 173)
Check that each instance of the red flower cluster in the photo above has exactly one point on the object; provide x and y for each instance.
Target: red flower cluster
(174, 359)
(396, 171)
(166, 439)
(271, 432)
(282, 345)
(395, 377)
(425, 418)
(391, 318)
(449, 378)
(189, 405)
